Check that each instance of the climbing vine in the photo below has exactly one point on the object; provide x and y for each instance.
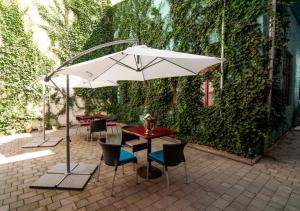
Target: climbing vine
(20, 64)
(238, 120)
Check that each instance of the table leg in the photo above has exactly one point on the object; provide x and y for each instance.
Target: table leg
(153, 171)
(149, 151)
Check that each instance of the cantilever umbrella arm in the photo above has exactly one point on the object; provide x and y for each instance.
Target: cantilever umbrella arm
(68, 62)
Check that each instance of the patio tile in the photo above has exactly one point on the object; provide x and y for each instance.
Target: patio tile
(33, 199)
(16, 204)
(4, 208)
(45, 202)
(215, 183)
(29, 207)
(54, 205)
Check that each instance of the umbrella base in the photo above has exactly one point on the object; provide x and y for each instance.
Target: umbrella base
(153, 174)
(57, 178)
(44, 143)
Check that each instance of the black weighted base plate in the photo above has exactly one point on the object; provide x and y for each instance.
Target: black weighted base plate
(49, 143)
(61, 168)
(47, 181)
(153, 174)
(57, 178)
(74, 182)
(84, 168)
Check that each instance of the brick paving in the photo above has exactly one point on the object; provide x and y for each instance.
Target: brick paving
(215, 183)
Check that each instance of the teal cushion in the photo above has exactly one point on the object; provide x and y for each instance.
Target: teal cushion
(126, 156)
(157, 156)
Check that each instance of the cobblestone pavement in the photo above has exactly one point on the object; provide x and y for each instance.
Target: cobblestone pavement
(215, 183)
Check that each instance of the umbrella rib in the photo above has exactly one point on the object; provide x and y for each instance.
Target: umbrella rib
(178, 65)
(109, 67)
(150, 65)
(120, 63)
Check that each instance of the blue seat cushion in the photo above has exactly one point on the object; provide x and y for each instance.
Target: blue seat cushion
(157, 156)
(126, 156)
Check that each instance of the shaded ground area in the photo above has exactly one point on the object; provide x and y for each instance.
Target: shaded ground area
(215, 183)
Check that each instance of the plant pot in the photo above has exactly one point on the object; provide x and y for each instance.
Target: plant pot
(28, 129)
(55, 127)
(40, 128)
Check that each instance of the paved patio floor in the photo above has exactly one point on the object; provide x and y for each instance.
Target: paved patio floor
(215, 183)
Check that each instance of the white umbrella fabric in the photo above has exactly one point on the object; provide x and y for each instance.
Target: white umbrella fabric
(76, 82)
(140, 63)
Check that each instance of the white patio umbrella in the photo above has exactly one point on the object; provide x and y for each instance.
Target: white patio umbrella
(60, 82)
(140, 63)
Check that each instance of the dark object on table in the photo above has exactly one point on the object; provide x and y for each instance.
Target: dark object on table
(171, 155)
(113, 155)
(132, 141)
(97, 126)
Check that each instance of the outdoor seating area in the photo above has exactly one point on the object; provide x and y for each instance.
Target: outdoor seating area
(149, 105)
(214, 183)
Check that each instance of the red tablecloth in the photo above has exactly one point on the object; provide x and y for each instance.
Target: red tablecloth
(94, 116)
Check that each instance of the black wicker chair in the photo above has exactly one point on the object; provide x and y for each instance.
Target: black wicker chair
(171, 155)
(98, 125)
(113, 155)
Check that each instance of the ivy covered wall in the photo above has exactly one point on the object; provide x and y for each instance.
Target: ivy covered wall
(238, 119)
(20, 64)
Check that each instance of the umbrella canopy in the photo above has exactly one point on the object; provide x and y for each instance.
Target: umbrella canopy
(140, 63)
(77, 82)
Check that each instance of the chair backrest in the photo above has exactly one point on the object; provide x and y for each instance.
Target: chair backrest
(127, 136)
(113, 118)
(98, 125)
(110, 153)
(173, 153)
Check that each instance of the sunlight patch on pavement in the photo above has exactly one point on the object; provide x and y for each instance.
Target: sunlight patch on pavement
(10, 138)
(25, 156)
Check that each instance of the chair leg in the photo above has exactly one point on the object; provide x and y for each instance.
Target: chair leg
(134, 166)
(136, 174)
(99, 168)
(167, 177)
(148, 168)
(186, 176)
(91, 138)
(112, 187)
(117, 130)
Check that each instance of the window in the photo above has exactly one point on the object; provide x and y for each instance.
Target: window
(208, 98)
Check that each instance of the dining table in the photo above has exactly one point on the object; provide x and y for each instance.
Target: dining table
(90, 117)
(156, 132)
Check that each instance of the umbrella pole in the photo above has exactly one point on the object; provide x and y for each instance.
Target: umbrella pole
(68, 125)
(44, 112)
(222, 47)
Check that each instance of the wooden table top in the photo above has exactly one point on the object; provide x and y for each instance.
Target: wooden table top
(94, 116)
(156, 133)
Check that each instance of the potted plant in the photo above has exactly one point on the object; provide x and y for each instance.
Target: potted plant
(28, 128)
(55, 126)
